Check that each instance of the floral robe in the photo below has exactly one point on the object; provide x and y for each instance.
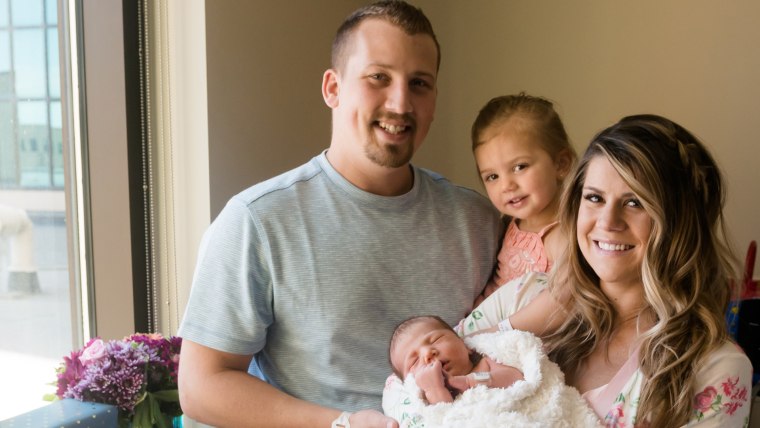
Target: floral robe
(724, 385)
(503, 302)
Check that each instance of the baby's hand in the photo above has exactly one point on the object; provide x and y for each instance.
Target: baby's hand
(430, 379)
(458, 383)
(429, 376)
(462, 383)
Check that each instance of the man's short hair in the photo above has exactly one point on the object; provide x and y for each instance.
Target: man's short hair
(409, 18)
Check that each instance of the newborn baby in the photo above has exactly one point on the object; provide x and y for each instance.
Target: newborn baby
(487, 380)
(442, 365)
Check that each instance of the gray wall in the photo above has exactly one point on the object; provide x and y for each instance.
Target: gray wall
(695, 61)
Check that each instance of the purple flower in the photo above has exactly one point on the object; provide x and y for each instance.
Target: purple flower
(121, 372)
(69, 373)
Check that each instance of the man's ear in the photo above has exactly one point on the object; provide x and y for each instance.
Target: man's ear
(330, 88)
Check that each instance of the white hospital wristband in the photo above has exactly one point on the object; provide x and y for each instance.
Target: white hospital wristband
(505, 325)
(342, 421)
(480, 378)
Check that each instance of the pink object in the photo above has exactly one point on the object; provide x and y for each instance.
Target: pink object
(521, 252)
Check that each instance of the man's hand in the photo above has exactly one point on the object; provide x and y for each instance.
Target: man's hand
(371, 419)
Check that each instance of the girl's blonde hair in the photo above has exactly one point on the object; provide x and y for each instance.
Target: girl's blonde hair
(685, 271)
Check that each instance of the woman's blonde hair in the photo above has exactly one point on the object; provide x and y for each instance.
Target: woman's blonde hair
(685, 271)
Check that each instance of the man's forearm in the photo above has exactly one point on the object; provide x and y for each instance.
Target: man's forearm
(240, 400)
(215, 389)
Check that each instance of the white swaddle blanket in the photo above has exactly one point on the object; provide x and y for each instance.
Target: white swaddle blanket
(541, 400)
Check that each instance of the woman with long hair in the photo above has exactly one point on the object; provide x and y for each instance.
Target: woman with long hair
(646, 282)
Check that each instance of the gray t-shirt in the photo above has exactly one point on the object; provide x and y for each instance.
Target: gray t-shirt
(311, 274)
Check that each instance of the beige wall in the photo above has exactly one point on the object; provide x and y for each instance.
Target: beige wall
(696, 62)
(265, 62)
(111, 255)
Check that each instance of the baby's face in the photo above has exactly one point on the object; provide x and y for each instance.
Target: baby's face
(426, 341)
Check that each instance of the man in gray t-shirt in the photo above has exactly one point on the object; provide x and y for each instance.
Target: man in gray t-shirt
(302, 278)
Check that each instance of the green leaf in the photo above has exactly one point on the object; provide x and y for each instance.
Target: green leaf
(50, 397)
(142, 415)
(171, 395)
(141, 399)
(124, 422)
(156, 417)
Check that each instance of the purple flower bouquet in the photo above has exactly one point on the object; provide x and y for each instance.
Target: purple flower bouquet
(137, 374)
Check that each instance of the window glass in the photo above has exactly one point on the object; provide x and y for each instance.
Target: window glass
(29, 62)
(26, 12)
(51, 12)
(54, 81)
(8, 164)
(6, 78)
(56, 137)
(38, 324)
(3, 13)
(34, 152)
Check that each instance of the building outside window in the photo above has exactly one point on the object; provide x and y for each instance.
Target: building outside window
(30, 96)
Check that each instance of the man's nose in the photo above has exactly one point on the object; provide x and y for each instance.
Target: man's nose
(399, 98)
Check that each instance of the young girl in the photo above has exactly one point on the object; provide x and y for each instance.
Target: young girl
(523, 154)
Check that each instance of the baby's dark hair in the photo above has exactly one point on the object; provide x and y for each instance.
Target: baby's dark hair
(403, 326)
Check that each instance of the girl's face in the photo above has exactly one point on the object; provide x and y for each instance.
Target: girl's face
(521, 178)
(425, 342)
(613, 227)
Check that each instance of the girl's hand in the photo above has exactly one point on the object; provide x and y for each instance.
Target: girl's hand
(487, 291)
(490, 288)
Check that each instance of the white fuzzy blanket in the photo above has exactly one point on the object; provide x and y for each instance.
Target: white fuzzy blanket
(541, 400)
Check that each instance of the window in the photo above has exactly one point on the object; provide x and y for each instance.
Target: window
(79, 195)
(40, 319)
(30, 96)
